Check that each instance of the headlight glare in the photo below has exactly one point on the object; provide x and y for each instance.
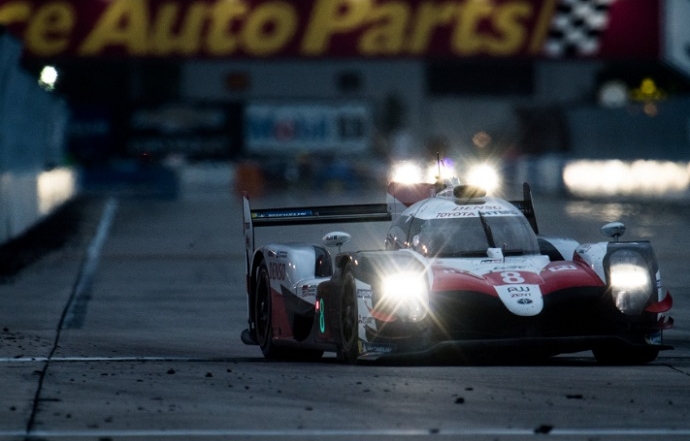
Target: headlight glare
(406, 173)
(484, 176)
(405, 294)
(631, 283)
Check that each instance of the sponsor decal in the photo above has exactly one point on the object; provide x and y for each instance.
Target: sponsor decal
(518, 291)
(276, 271)
(363, 293)
(334, 28)
(521, 299)
(308, 291)
(584, 249)
(281, 213)
(483, 208)
(566, 267)
(368, 321)
(377, 348)
(491, 213)
(518, 295)
(322, 316)
(274, 127)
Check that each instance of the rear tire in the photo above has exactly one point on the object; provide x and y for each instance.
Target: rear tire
(263, 313)
(263, 318)
(349, 318)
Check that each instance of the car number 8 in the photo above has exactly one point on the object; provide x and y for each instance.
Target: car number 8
(512, 277)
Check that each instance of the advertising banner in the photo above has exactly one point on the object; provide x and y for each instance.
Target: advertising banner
(335, 28)
(291, 128)
(194, 130)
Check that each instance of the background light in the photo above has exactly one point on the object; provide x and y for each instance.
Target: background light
(484, 176)
(406, 173)
(48, 77)
(621, 178)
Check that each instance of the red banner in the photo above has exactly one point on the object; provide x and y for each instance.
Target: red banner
(334, 28)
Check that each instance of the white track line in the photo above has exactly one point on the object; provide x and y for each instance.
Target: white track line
(93, 253)
(95, 359)
(323, 433)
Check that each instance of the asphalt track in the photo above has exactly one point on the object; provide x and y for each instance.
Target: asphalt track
(130, 331)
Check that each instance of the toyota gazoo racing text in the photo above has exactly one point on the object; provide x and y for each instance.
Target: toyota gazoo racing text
(460, 272)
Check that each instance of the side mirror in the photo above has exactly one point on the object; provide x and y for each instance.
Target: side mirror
(336, 239)
(613, 230)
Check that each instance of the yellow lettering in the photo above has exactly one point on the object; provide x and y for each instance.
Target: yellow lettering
(48, 31)
(220, 40)
(387, 37)
(465, 39)
(542, 26)
(269, 28)
(186, 41)
(429, 17)
(512, 34)
(124, 24)
(14, 12)
(331, 17)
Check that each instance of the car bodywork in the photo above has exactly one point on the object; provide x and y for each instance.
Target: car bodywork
(460, 273)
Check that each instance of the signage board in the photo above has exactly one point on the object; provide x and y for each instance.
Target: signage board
(293, 128)
(334, 28)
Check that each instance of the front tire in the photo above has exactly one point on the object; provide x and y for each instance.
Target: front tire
(349, 318)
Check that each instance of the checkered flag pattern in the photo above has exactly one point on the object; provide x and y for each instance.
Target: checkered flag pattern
(576, 28)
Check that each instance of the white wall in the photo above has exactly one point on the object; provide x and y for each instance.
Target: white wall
(32, 128)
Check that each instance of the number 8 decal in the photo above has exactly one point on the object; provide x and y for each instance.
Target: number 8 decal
(512, 277)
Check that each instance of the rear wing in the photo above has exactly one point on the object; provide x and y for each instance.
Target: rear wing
(277, 217)
(526, 206)
(397, 200)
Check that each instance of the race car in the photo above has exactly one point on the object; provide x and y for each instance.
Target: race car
(459, 273)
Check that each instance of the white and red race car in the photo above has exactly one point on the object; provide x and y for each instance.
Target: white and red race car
(461, 273)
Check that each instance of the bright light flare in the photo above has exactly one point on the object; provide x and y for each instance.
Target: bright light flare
(48, 78)
(443, 170)
(631, 283)
(484, 176)
(407, 173)
(405, 294)
(636, 178)
(54, 187)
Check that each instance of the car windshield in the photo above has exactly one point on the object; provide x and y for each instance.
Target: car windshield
(470, 237)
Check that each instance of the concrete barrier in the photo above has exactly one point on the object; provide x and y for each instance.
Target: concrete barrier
(28, 197)
(32, 129)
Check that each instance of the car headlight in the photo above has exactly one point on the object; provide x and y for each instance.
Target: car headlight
(405, 294)
(484, 176)
(631, 283)
(406, 173)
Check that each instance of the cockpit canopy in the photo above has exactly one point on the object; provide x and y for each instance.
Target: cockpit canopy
(465, 236)
(471, 237)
